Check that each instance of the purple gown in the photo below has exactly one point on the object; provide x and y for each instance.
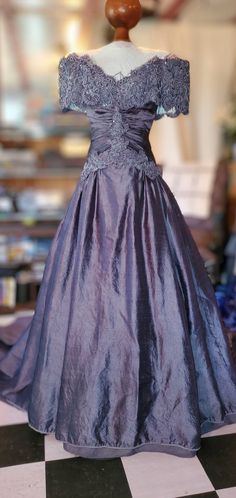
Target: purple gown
(126, 350)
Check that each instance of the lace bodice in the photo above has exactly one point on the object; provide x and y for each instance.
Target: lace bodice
(121, 111)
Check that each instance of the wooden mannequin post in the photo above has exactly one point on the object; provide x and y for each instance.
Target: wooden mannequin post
(123, 15)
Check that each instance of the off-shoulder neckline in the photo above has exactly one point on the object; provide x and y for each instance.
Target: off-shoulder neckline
(87, 58)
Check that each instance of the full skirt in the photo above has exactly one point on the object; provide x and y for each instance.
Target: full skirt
(126, 349)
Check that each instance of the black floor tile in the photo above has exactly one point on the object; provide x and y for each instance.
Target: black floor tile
(217, 456)
(86, 478)
(209, 494)
(20, 444)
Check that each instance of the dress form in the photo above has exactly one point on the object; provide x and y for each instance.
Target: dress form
(125, 351)
(121, 56)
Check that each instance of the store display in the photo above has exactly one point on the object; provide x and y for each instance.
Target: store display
(142, 362)
(127, 336)
(16, 162)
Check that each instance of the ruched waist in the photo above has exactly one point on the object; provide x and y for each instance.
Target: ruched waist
(120, 138)
(113, 125)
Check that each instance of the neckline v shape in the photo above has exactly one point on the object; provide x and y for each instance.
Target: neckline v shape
(140, 67)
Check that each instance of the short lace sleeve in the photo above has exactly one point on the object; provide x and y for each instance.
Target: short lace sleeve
(174, 93)
(70, 83)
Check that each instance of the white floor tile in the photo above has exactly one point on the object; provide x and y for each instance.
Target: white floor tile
(23, 481)
(225, 429)
(54, 449)
(9, 415)
(159, 475)
(227, 493)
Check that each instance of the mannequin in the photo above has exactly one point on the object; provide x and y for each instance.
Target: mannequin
(119, 57)
(126, 329)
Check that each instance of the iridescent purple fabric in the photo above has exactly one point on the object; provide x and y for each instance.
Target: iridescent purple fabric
(126, 350)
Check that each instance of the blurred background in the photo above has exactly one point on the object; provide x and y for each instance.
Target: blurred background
(42, 150)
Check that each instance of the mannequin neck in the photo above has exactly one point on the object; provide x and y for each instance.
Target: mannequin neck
(121, 34)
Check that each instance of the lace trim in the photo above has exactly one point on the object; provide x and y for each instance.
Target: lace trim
(90, 61)
(120, 156)
(165, 81)
(175, 89)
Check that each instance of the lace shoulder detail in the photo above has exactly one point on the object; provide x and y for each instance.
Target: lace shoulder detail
(164, 81)
(81, 87)
(70, 83)
(174, 90)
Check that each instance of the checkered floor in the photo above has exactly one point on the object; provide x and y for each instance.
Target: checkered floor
(36, 466)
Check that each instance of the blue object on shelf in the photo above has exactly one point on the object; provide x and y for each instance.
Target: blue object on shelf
(226, 299)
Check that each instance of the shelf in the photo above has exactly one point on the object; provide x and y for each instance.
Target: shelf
(6, 310)
(31, 217)
(19, 264)
(41, 173)
(38, 231)
(41, 225)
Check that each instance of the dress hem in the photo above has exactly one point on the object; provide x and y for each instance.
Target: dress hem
(107, 452)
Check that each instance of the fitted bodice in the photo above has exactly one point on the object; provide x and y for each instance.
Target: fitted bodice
(121, 137)
(121, 112)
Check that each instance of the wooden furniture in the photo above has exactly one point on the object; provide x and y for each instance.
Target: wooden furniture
(39, 226)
